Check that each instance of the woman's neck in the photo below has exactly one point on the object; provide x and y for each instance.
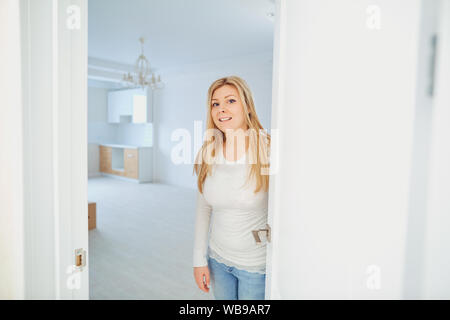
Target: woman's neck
(233, 150)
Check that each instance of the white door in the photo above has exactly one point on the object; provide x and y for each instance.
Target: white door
(54, 84)
(347, 85)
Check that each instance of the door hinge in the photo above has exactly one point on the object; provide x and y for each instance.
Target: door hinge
(262, 232)
(432, 67)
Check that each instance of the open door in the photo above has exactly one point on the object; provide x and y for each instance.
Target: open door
(345, 92)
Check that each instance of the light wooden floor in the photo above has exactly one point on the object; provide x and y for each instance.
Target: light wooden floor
(142, 247)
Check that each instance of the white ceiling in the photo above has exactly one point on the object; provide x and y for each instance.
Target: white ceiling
(179, 32)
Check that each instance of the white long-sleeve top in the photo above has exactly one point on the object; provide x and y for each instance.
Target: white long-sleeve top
(232, 211)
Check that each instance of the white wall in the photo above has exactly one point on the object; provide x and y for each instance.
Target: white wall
(346, 119)
(183, 101)
(99, 130)
(135, 133)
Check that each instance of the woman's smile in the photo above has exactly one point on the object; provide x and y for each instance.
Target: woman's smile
(225, 119)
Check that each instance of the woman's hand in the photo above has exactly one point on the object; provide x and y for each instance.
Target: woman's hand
(199, 274)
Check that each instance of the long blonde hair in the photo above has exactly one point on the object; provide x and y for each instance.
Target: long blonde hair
(259, 142)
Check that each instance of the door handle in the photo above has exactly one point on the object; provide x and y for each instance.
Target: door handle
(266, 232)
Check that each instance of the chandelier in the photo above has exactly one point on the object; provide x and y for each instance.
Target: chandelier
(143, 76)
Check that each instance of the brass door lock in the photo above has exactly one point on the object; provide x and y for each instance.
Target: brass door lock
(260, 232)
(80, 259)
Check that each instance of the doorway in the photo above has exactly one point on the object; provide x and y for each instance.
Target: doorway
(141, 245)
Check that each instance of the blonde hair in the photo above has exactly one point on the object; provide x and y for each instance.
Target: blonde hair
(259, 142)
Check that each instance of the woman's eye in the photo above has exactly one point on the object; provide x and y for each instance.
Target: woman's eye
(231, 101)
(215, 103)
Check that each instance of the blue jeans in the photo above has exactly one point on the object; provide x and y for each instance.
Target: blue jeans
(230, 283)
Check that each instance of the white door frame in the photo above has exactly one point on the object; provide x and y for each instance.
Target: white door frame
(435, 278)
(54, 60)
(279, 67)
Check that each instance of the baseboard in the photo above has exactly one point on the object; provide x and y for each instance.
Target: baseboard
(119, 177)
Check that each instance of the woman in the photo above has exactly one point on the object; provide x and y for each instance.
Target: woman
(232, 184)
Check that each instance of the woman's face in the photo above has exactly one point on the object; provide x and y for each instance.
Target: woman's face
(227, 110)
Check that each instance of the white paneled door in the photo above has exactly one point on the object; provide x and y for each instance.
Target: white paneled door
(349, 77)
(54, 68)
